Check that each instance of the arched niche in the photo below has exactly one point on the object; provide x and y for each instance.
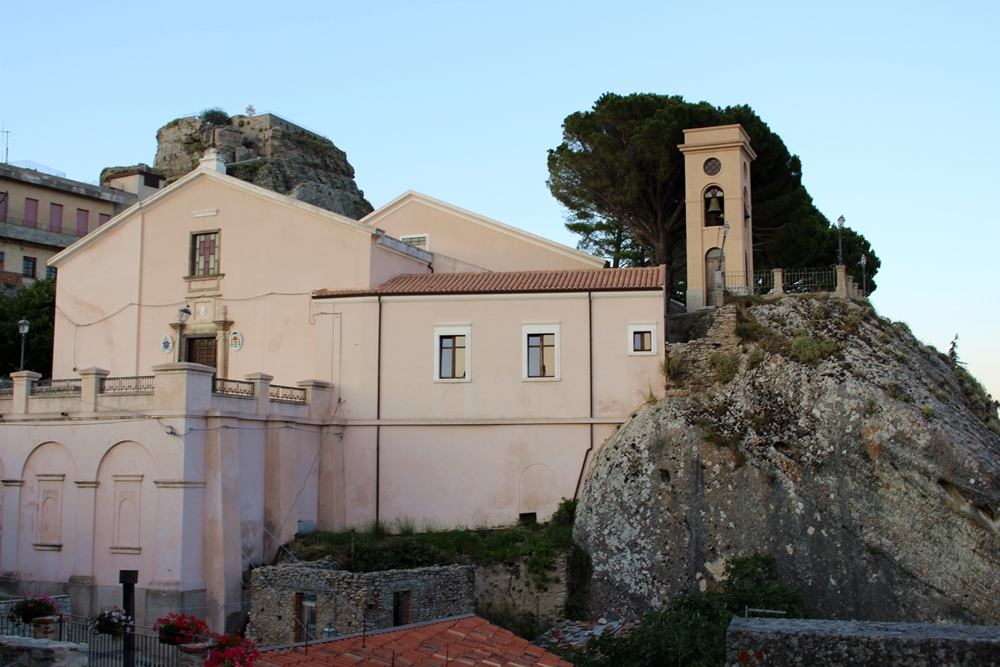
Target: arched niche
(47, 514)
(538, 491)
(125, 533)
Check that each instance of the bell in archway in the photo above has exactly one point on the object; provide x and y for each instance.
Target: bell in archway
(713, 206)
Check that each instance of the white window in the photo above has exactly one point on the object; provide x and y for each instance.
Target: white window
(452, 345)
(416, 240)
(540, 351)
(642, 338)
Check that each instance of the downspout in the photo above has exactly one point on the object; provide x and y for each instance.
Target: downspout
(590, 394)
(378, 412)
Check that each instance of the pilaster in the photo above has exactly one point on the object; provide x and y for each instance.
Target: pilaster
(261, 391)
(83, 561)
(280, 489)
(779, 280)
(90, 387)
(11, 526)
(319, 397)
(22, 390)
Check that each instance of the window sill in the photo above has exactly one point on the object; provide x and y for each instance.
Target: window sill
(126, 550)
(642, 354)
(552, 379)
(452, 380)
(47, 546)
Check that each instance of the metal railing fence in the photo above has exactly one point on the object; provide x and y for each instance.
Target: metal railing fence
(43, 226)
(109, 651)
(287, 394)
(6, 386)
(71, 386)
(127, 385)
(799, 281)
(232, 387)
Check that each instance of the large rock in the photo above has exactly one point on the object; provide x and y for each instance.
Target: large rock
(267, 151)
(872, 474)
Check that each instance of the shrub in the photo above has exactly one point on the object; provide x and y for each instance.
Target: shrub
(895, 391)
(871, 408)
(180, 628)
(808, 350)
(405, 526)
(232, 651)
(111, 620)
(755, 358)
(214, 116)
(941, 394)
(30, 607)
(674, 368)
(725, 366)
(928, 411)
(852, 321)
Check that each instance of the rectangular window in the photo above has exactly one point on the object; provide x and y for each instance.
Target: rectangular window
(55, 217)
(452, 357)
(30, 212)
(417, 241)
(102, 218)
(205, 254)
(1, 261)
(541, 355)
(50, 272)
(642, 338)
(28, 267)
(82, 222)
(4, 196)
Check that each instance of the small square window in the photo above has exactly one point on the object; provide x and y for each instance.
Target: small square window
(641, 339)
(205, 254)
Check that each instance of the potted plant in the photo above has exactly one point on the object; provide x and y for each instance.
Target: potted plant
(177, 628)
(231, 651)
(30, 607)
(111, 620)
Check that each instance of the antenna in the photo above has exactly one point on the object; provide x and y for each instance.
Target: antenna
(6, 142)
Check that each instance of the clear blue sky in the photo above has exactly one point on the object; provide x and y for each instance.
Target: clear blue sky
(891, 106)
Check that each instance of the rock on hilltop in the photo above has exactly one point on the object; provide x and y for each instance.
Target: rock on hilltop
(267, 151)
(818, 432)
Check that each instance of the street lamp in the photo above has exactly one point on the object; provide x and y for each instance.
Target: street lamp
(22, 328)
(182, 316)
(864, 276)
(840, 240)
(722, 253)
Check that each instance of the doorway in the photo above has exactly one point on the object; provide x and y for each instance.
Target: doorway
(202, 351)
(713, 260)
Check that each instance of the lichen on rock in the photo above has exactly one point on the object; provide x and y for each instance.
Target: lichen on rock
(876, 507)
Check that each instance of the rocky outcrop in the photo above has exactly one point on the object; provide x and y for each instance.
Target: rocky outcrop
(267, 151)
(818, 432)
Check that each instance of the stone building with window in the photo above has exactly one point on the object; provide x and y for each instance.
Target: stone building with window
(232, 363)
(42, 212)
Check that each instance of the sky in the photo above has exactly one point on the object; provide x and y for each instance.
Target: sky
(890, 105)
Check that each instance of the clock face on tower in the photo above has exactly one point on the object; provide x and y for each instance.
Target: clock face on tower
(712, 166)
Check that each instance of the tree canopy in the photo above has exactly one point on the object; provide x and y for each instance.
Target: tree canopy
(620, 174)
(37, 304)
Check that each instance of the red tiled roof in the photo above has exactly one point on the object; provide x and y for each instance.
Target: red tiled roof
(462, 642)
(584, 280)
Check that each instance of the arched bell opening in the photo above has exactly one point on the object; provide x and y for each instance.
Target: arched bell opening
(715, 206)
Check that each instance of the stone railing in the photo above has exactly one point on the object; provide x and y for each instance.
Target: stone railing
(174, 386)
(833, 280)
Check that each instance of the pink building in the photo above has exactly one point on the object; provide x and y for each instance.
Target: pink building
(425, 362)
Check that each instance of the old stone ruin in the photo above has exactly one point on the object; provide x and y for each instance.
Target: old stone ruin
(265, 150)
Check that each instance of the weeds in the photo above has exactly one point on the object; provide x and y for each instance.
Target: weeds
(674, 368)
(928, 411)
(755, 358)
(895, 391)
(725, 366)
(808, 350)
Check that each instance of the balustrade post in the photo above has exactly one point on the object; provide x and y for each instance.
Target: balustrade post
(22, 389)
(779, 280)
(261, 391)
(90, 386)
(841, 291)
(183, 386)
(319, 397)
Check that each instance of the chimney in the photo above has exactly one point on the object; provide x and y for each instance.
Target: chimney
(213, 161)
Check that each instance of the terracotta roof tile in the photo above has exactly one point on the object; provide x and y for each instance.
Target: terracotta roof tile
(466, 640)
(587, 280)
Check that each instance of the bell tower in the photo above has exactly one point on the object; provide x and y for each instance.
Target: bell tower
(719, 227)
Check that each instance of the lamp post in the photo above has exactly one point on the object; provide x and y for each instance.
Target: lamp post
(840, 240)
(182, 316)
(22, 328)
(722, 253)
(864, 276)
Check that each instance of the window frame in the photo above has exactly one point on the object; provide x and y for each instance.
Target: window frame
(34, 266)
(193, 257)
(445, 331)
(426, 246)
(540, 328)
(636, 327)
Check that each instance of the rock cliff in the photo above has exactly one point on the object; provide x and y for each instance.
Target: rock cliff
(267, 151)
(821, 433)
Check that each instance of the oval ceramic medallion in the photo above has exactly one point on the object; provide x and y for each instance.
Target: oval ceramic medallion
(166, 344)
(235, 340)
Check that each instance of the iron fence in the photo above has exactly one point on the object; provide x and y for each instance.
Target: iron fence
(799, 281)
(43, 226)
(287, 394)
(71, 386)
(232, 387)
(109, 651)
(127, 385)
(763, 281)
(6, 386)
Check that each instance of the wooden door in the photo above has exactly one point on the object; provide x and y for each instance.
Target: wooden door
(201, 351)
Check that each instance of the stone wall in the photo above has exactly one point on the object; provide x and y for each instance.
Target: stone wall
(792, 643)
(509, 586)
(434, 592)
(26, 652)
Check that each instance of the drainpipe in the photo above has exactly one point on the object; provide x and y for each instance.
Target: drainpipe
(378, 412)
(590, 395)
